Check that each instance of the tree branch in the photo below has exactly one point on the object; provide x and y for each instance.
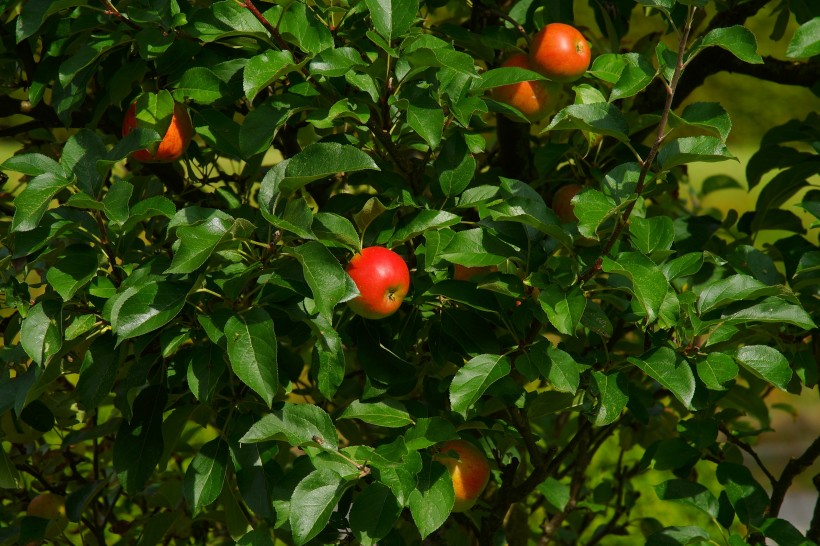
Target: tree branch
(748, 449)
(793, 469)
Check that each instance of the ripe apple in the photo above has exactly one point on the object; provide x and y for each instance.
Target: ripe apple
(535, 99)
(469, 471)
(464, 273)
(560, 52)
(172, 145)
(383, 280)
(562, 203)
(46, 506)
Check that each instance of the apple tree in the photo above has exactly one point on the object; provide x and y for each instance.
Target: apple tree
(180, 360)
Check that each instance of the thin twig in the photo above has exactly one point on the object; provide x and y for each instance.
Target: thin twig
(111, 10)
(272, 30)
(748, 449)
(646, 164)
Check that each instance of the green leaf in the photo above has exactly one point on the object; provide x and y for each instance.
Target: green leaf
(433, 499)
(329, 227)
(41, 333)
(710, 116)
(558, 367)
(677, 536)
(388, 413)
(33, 201)
(506, 75)
(198, 242)
(252, 351)
(747, 497)
(613, 394)
(34, 165)
(783, 532)
(392, 18)
(719, 182)
(735, 288)
(265, 69)
(139, 443)
(98, 372)
(601, 118)
(322, 160)
(593, 208)
(426, 117)
(300, 26)
(35, 12)
(651, 234)
(691, 149)
(648, 283)
(806, 40)
(422, 221)
(9, 476)
(323, 274)
(774, 310)
(328, 356)
(767, 363)
(146, 306)
(737, 40)
(313, 502)
(717, 369)
(297, 424)
(374, 513)
(637, 73)
(689, 494)
(205, 369)
(115, 202)
(671, 370)
(201, 85)
(205, 476)
(474, 378)
(336, 61)
(556, 493)
(429, 431)
(564, 309)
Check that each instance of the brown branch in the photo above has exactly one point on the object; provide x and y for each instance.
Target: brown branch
(111, 10)
(793, 469)
(814, 529)
(650, 158)
(748, 449)
(272, 30)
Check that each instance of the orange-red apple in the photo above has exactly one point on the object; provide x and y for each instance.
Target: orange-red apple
(173, 144)
(468, 469)
(562, 203)
(560, 52)
(383, 280)
(535, 99)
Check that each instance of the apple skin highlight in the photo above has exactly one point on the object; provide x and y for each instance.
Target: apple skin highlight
(470, 472)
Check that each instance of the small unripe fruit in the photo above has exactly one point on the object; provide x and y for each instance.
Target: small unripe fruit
(464, 273)
(535, 99)
(383, 280)
(560, 52)
(470, 471)
(173, 144)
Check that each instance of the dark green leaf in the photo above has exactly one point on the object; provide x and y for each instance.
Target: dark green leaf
(146, 306)
(710, 116)
(252, 351)
(670, 370)
(564, 309)
(637, 73)
(717, 369)
(392, 18)
(731, 289)
(205, 476)
(41, 334)
(139, 444)
(201, 85)
(300, 26)
(323, 274)
(688, 493)
(592, 208)
(648, 283)
(33, 201)
(737, 40)
(313, 502)
(677, 536)
(651, 234)
(422, 221)
(426, 117)
(600, 118)
(297, 424)
(336, 61)
(473, 379)
(691, 149)
(747, 497)
(98, 372)
(613, 394)
(767, 363)
(374, 513)
(386, 413)
(433, 498)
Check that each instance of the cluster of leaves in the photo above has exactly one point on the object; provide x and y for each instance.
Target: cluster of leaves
(178, 361)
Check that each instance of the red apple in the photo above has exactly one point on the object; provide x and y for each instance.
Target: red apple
(562, 203)
(535, 99)
(560, 52)
(172, 145)
(469, 471)
(383, 280)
